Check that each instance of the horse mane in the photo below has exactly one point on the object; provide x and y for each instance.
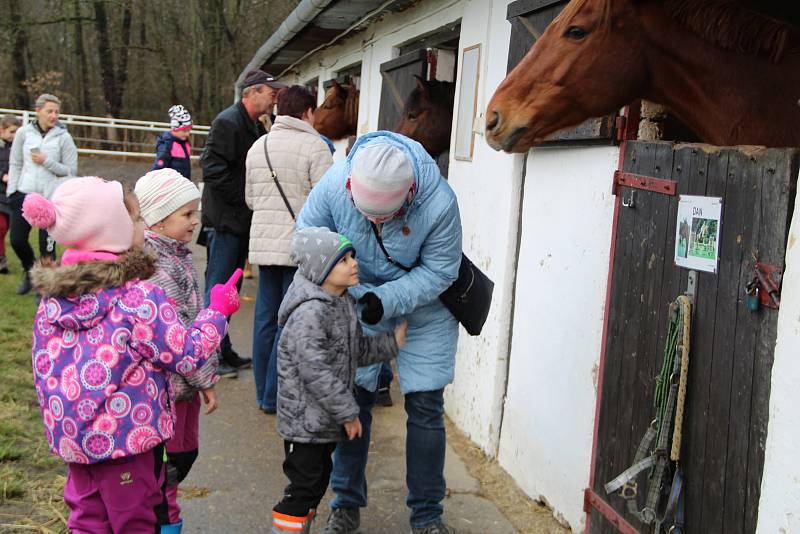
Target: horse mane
(731, 26)
(351, 105)
(724, 23)
(437, 91)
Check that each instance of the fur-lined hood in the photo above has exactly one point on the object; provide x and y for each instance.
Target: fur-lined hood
(51, 280)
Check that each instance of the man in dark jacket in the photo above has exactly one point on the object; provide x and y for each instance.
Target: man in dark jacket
(226, 216)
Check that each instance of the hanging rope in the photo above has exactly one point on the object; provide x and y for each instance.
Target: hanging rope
(683, 347)
(654, 451)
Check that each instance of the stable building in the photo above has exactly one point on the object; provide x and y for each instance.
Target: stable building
(578, 238)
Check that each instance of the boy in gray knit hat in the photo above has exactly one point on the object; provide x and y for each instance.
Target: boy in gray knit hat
(319, 350)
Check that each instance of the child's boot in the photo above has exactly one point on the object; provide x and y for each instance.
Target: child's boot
(174, 528)
(3, 265)
(283, 523)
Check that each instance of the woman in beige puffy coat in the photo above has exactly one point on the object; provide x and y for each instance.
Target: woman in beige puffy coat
(299, 157)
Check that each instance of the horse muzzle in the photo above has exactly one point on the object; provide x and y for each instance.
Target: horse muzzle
(501, 135)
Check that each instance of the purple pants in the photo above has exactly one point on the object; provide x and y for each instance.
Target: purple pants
(116, 496)
(182, 450)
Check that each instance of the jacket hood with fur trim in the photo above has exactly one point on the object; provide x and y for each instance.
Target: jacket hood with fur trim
(52, 280)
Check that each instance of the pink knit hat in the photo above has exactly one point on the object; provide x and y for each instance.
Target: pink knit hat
(88, 213)
(381, 177)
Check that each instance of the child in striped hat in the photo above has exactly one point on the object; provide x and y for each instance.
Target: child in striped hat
(173, 150)
(169, 206)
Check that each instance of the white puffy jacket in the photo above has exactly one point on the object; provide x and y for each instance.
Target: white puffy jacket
(299, 157)
(62, 160)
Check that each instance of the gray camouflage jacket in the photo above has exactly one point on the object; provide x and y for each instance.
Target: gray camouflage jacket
(319, 350)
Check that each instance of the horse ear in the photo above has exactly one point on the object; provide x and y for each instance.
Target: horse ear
(422, 85)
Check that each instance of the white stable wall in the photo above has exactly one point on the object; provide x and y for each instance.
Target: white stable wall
(488, 189)
(546, 438)
(779, 508)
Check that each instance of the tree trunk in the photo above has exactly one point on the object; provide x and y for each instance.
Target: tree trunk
(83, 68)
(106, 58)
(114, 76)
(122, 63)
(19, 51)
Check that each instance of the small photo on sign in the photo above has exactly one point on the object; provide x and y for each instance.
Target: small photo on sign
(697, 232)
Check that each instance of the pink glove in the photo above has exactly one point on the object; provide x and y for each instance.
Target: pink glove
(225, 297)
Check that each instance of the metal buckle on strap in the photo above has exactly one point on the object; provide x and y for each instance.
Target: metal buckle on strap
(629, 490)
(648, 515)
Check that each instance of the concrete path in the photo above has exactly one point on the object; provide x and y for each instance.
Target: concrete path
(238, 477)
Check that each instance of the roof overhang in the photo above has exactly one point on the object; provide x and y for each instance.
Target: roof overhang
(315, 25)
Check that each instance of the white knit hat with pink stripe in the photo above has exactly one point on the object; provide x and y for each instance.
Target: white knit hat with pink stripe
(163, 191)
(380, 179)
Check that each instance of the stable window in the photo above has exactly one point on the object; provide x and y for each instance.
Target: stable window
(431, 57)
(529, 19)
(347, 76)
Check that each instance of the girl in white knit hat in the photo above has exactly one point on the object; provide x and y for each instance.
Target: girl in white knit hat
(169, 206)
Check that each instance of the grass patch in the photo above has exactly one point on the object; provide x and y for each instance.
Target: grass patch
(31, 479)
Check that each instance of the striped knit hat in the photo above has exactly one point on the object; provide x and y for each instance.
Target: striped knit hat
(380, 179)
(179, 118)
(163, 191)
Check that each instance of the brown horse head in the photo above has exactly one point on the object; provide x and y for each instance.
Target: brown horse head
(700, 58)
(428, 115)
(337, 117)
(584, 65)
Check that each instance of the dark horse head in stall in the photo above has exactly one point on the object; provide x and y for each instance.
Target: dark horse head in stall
(428, 115)
(337, 117)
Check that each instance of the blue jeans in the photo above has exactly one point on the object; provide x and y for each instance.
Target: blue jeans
(425, 449)
(226, 252)
(273, 281)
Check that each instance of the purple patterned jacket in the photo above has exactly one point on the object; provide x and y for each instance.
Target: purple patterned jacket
(100, 363)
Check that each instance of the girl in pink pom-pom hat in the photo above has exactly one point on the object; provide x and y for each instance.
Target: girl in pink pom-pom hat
(104, 342)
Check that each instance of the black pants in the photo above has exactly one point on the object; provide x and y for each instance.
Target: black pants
(20, 231)
(308, 467)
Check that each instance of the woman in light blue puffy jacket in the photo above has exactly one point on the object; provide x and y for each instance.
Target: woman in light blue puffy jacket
(390, 187)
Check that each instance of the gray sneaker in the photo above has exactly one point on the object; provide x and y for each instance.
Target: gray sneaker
(226, 370)
(343, 521)
(436, 528)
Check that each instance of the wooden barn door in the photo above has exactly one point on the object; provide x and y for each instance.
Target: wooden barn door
(397, 83)
(725, 422)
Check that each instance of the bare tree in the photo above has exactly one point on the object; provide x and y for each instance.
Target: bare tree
(132, 58)
(19, 51)
(113, 67)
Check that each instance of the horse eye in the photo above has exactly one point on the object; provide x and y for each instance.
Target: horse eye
(574, 32)
(413, 115)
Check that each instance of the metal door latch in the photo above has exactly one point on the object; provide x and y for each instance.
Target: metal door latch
(630, 202)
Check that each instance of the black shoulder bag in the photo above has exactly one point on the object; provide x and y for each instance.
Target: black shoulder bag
(468, 299)
(277, 183)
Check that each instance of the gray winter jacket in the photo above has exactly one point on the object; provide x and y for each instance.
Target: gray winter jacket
(320, 348)
(62, 160)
